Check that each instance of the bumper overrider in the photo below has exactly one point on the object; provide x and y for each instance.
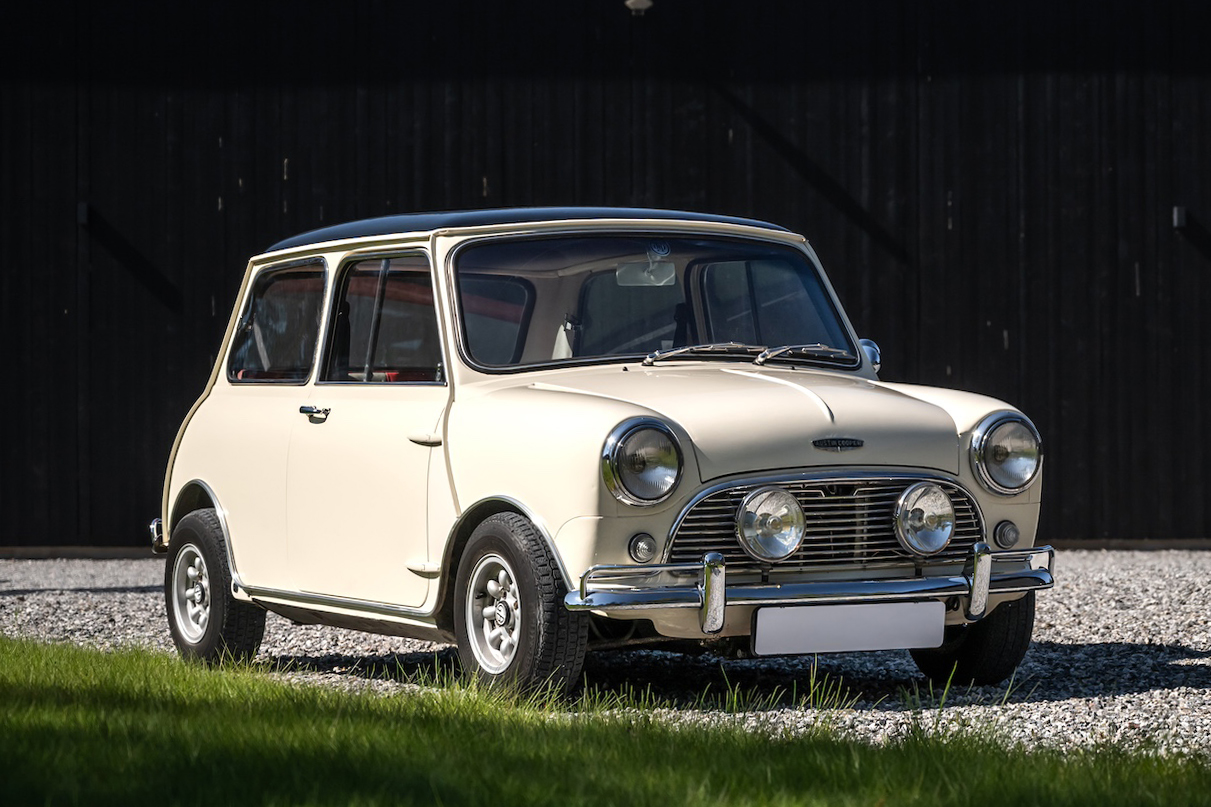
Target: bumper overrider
(613, 589)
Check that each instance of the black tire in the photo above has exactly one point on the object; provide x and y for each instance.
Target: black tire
(207, 623)
(546, 641)
(985, 652)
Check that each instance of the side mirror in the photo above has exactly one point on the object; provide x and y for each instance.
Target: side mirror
(871, 351)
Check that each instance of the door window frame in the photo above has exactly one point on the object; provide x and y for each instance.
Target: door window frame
(319, 263)
(330, 325)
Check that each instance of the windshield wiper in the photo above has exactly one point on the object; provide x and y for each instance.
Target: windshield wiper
(816, 351)
(718, 348)
(760, 354)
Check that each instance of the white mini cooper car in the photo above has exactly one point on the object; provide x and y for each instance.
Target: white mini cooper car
(538, 431)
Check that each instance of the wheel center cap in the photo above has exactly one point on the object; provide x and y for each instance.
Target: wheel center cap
(502, 613)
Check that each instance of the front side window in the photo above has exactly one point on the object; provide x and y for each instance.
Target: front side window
(275, 339)
(578, 299)
(384, 325)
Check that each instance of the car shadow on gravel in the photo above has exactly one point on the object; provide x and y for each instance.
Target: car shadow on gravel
(1106, 669)
(414, 667)
(24, 592)
(1052, 671)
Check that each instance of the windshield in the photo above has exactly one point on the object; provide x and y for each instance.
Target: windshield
(575, 299)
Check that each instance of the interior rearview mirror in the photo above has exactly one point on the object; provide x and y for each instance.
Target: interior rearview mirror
(651, 273)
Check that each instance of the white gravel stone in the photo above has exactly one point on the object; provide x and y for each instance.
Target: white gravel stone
(1122, 654)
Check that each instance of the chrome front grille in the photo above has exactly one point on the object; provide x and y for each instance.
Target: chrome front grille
(849, 524)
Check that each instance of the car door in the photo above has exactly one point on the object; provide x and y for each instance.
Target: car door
(251, 413)
(361, 452)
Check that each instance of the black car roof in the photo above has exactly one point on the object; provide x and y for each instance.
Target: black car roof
(419, 222)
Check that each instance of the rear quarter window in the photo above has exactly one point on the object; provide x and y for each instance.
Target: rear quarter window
(277, 333)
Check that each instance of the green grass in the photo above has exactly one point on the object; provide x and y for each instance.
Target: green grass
(134, 727)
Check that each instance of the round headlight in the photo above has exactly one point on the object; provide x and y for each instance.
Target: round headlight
(925, 519)
(770, 524)
(1006, 452)
(641, 461)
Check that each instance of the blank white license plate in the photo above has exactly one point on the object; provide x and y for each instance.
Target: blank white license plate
(845, 628)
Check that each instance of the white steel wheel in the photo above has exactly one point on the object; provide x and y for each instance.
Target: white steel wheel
(494, 613)
(191, 593)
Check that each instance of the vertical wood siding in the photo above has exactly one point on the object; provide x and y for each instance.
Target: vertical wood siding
(991, 187)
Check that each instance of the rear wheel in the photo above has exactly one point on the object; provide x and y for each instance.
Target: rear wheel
(985, 652)
(509, 617)
(207, 623)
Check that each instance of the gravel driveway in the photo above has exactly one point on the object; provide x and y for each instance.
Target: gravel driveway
(1122, 653)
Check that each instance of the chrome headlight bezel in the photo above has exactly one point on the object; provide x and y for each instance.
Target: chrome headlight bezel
(615, 445)
(753, 546)
(981, 444)
(938, 524)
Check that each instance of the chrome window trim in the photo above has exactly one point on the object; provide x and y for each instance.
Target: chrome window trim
(821, 477)
(979, 437)
(321, 326)
(671, 227)
(326, 336)
(385, 384)
(609, 459)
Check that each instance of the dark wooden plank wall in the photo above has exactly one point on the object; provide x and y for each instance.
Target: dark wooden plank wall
(991, 186)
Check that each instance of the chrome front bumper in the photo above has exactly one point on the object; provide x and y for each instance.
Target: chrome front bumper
(611, 589)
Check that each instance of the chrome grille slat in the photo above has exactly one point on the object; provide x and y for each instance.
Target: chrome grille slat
(849, 522)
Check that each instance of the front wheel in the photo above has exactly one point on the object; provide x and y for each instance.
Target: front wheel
(509, 617)
(207, 623)
(985, 652)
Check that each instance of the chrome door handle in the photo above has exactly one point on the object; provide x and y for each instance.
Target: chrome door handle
(314, 411)
(426, 439)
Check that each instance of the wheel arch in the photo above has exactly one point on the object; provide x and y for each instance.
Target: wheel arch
(456, 543)
(197, 495)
